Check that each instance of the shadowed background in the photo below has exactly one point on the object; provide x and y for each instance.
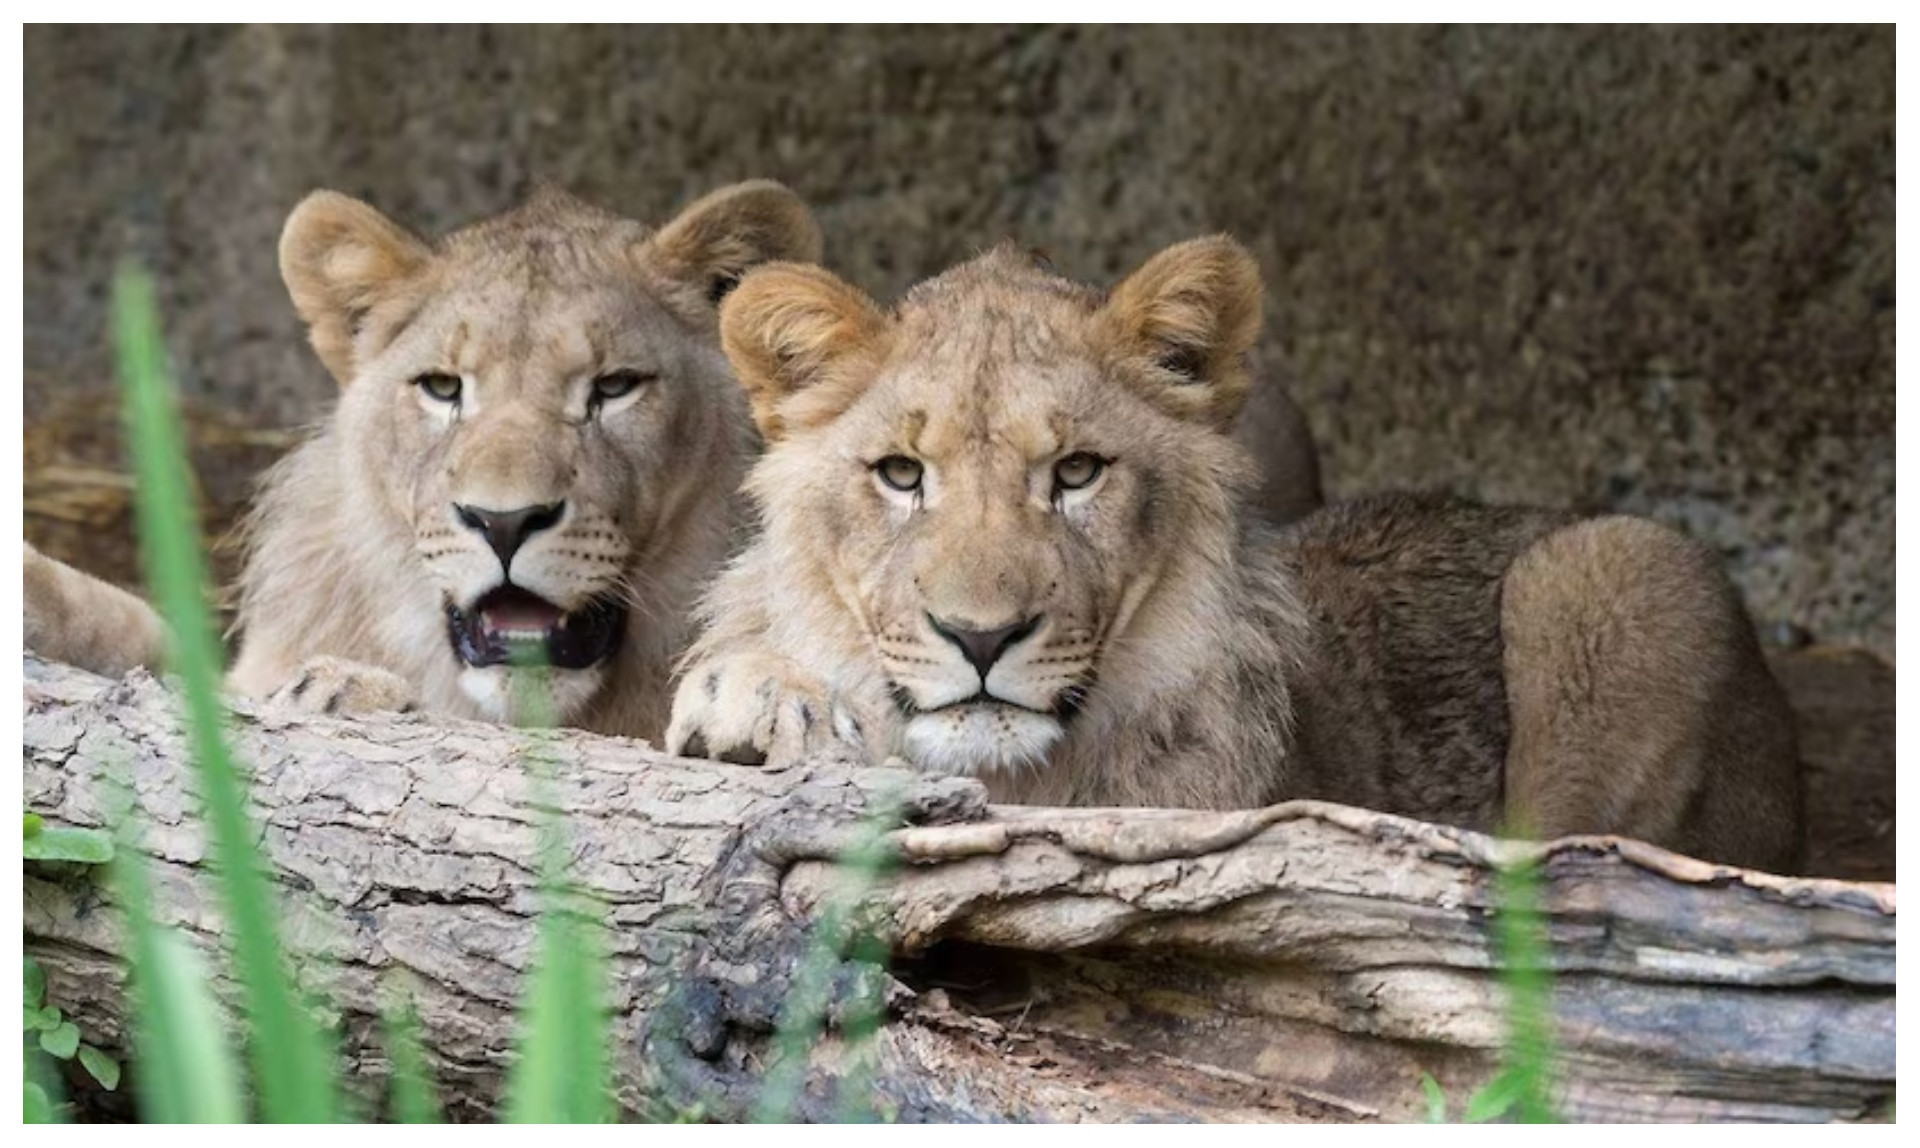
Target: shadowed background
(1645, 270)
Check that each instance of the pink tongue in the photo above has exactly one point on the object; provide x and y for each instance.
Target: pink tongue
(520, 616)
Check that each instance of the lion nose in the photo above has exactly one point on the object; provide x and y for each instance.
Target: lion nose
(508, 530)
(984, 647)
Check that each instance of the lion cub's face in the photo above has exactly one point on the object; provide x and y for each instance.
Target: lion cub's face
(1001, 471)
(535, 402)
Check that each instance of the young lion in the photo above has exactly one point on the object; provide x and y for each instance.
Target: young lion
(1004, 537)
(534, 453)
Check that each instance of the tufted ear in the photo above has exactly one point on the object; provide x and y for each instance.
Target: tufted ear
(1180, 328)
(804, 343)
(340, 259)
(705, 250)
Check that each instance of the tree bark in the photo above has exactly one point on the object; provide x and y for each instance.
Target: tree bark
(1304, 962)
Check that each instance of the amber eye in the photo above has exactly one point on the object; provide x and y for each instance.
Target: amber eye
(899, 472)
(617, 384)
(1077, 471)
(440, 387)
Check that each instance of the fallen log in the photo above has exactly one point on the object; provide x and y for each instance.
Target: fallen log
(1304, 962)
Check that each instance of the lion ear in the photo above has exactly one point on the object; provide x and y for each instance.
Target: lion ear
(705, 250)
(804, 343)
(340, 258)
(1181, 327)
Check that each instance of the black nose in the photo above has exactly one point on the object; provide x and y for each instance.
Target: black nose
(984, 647)
(507, 530)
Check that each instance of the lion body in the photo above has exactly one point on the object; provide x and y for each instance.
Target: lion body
(1006, 534)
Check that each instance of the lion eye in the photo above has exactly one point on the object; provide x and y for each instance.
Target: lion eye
(439, 386)
(1077, 471)
(618, 384)
(899, 472)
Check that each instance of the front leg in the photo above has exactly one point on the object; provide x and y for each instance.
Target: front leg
(338, 686)
(752, 708)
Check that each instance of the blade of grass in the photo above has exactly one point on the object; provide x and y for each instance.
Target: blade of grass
(561, 1073)
(295, 1076)
(411, 1084)
(837, 934)
(859, 1027)
(563, 1070)
(186, 1073)
(1524, 1086)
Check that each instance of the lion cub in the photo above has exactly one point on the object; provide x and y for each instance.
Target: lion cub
(1004, 536)
(534, 454)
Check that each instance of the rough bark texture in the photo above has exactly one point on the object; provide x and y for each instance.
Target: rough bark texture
(1304, 962)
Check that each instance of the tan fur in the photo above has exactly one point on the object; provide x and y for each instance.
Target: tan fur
(1157, 644)
(356, 545)
(340, 259)
(801, 344)
(75, 618)
(1640, 700)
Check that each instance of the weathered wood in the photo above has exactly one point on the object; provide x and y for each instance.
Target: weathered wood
(1304, 962)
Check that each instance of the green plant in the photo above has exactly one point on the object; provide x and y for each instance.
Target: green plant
(46, 1030)
(841, 940)
(58, 843)
(1522, 1089)
(291, 1064)
(563, 1073)
(412, 1099)
(50, 1034)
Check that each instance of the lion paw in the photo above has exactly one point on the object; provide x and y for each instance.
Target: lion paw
(336, 686)
(757, 710)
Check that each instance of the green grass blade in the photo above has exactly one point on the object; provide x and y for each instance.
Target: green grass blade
(411, 1100)
(837, 934)
(1436, 1099)
(294, 1075)
(1527, 1079)
(562, 1072)
(187, 1074)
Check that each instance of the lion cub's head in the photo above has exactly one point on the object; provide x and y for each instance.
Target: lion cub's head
(538, 431)
(992, 480)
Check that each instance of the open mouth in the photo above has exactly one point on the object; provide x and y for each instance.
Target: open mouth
(509, 625)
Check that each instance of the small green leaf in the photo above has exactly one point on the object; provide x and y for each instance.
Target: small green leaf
(62, 1042)
(36, 978)
(100, 1066)
(1436, 1099)
(34, 824)
(1496, 1099)
(44, 1019)
(87, 846)
(38, 1109)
